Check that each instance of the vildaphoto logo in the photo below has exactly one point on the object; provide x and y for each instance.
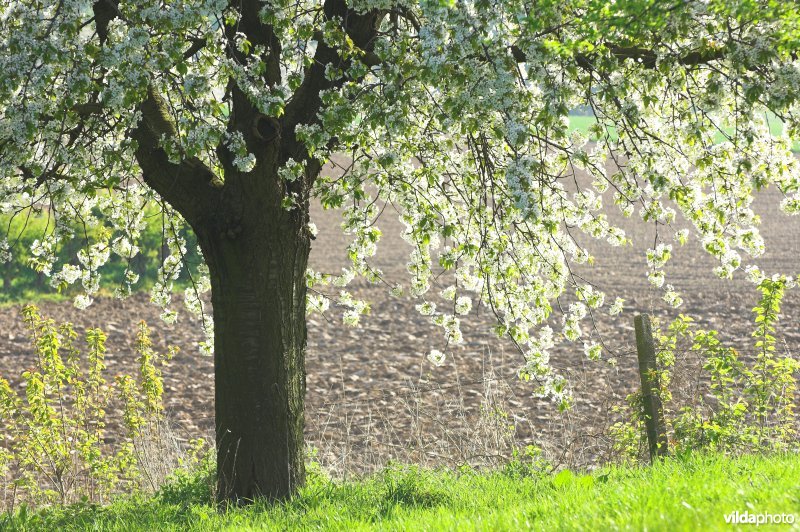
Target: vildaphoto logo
(747, 518)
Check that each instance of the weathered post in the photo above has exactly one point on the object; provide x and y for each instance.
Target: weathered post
(653, 409)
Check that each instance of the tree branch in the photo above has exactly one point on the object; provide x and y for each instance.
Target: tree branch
(647, 57)
(185, 185)
(29, 175)
(257, 33)
(104, 12)
(306, 102)
(197, 45)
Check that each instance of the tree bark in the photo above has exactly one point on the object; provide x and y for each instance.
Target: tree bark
(257, 260)
(257, 255)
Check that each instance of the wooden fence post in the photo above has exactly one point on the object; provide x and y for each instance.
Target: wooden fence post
(653, 409)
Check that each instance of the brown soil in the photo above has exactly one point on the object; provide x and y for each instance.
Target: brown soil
(373, 396)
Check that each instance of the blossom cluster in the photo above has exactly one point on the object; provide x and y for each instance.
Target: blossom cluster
(459, 123)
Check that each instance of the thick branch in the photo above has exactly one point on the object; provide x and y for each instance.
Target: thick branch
(185, 185)
(362, 28)
(197, 45)
(648, 58)
(47, 175)
(259, 34)
(244, 116)
(104, 12)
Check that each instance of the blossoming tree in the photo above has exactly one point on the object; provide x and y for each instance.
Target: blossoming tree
(454, 112)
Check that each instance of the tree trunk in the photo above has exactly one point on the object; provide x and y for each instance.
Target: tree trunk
(257, 265)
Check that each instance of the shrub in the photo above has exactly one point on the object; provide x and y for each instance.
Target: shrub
(736, 404)
(527, 462)
(193, 482)
(55, 448)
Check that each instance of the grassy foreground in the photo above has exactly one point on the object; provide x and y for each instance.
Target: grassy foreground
(687, 494)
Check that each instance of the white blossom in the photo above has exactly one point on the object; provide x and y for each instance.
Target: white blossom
(436, 357)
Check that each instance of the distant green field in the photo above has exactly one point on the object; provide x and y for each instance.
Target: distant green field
(695, 493)
(22, 283)
(583, 123)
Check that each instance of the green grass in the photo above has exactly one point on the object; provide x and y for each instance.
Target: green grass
(692, 493)
(583, 123)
